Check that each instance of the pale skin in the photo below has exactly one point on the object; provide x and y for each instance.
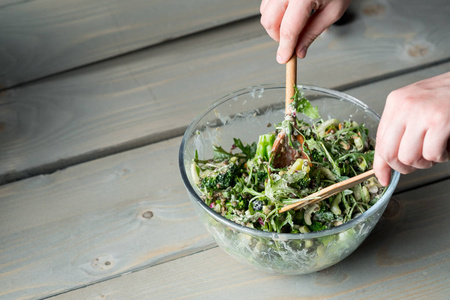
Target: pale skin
(291, 23)
(414, 130)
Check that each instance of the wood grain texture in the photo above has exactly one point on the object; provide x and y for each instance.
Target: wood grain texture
(86, 113)
(406, 257)
(89, 224)
(40, 38)
(94, 221)
(104, 218)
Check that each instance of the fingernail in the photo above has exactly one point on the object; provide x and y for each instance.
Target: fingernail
(279, 59)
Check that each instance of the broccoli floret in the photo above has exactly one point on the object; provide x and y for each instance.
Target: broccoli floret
(298, 180)
(222, 179)
(261, 176)
(324, 215)
(304, 182)
(317, 226)
(316, 156)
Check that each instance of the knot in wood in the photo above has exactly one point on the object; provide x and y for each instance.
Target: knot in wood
(418, 50)
(393, 209)
(373, 9)
(102, 263)
(147, 214)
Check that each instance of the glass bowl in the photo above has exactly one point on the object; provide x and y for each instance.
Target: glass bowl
(245, 114)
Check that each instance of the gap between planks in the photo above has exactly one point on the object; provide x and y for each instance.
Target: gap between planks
(209, 248)
(177, 132)
(145, 48)
(128, 272)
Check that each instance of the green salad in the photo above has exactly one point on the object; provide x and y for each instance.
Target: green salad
(244, 185)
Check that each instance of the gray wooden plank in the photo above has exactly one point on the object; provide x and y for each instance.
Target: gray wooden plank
(39, 38)
(406, 257)
(94, 221)
(110, 106)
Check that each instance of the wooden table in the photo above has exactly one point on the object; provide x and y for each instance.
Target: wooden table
(96, 96)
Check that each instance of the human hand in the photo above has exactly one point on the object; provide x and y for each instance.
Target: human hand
(291, 23)
(414, 130)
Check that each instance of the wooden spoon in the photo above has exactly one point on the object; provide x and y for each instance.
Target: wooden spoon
(282, 153)
(291, 81)
(329, 191)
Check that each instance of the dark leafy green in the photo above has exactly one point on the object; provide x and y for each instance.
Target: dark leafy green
(243, 186)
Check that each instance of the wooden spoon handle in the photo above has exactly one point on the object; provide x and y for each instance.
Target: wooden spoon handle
(291, 80)
(329, 191)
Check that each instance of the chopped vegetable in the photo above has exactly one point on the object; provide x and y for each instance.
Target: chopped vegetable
(242, 185)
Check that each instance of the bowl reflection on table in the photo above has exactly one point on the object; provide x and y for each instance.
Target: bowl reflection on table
(246, 114)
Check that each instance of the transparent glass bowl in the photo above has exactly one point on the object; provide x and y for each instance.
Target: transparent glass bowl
(246, 114)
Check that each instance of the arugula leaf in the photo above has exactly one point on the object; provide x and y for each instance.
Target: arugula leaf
(287, 220)
(248, 150)
(220, 153)
(335, 166)
(353, 157)
(235, 179)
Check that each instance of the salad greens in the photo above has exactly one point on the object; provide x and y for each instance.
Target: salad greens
(244, 186)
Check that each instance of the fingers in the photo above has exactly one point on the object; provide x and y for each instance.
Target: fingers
(294, 20)
(272, 13)
(389, 137)
(382, 170)
(291, 23)
(318, 23)
(263, 5)
(313, 29)
(436, 145)
(389, 145)
(410, 149)
(414, 131)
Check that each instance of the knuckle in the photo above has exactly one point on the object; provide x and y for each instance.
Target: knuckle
(406, 159)
(400, 95)
(423, 164)
(385, 153)
(310, 37)
(394, 95)
(267, 23)
(407, 171)
(438, 119)
(432, 155)
(287, 33)
(336, 14)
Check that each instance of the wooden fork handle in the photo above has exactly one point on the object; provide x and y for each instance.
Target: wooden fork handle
(329, 191)
(291, 80)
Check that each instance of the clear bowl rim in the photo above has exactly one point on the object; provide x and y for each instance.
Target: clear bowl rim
(274, 235)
